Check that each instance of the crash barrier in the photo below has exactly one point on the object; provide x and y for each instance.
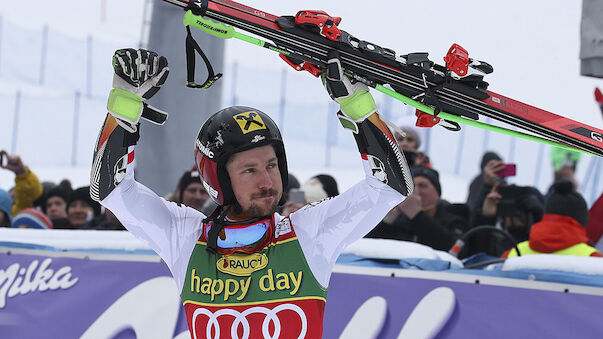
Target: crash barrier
(106, 284)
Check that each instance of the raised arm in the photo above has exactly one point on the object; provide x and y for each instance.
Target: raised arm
(169, 229)
(326, 228)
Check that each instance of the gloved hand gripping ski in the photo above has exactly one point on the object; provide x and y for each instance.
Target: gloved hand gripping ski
(138, 76)
(358, 113)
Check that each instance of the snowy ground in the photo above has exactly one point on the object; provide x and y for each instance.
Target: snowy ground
(533, 48)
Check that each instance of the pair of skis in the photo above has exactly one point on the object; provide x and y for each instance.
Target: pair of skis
(455, 92)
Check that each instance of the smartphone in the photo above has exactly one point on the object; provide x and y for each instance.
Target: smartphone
(298, 196)
(510, 170)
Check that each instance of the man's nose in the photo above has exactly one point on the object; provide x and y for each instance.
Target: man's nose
(265, 180)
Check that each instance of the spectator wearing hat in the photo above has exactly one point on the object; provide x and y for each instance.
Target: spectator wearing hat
(562, 229)
(190, 190)
(425, 217)
(483, 182)
(31, 218)
(27, 186)
(317, 188)
(564, 165)
(409, 144)
(6, 204)
(55, 205)
(320, 187)
(81, 208)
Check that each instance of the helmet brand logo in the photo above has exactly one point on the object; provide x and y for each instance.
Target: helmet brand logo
(206, 151)
(258, 138)
(242, 265)
(249, 121)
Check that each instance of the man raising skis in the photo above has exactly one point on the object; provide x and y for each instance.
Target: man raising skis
(245, 271)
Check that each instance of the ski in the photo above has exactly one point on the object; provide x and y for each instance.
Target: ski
(454, 92)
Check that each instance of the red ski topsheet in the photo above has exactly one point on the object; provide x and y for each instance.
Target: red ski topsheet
(575, 129)
(562, 128)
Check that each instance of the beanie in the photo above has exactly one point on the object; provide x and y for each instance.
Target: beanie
(430, 174)
(83, 194)
(57, 191)
(6, 204)
(488, 156)
(413, 132)
(564, 200)
(31, 218)
(186, 179)
(328, 184)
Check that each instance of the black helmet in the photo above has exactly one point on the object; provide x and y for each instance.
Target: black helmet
(229, 131)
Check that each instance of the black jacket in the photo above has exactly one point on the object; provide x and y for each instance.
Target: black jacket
(439, 232)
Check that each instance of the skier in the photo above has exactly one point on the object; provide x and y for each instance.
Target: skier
(245, 271)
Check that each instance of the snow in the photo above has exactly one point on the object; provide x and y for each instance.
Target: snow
(533, 48)
(562, 263)
(74, 239)
(395, 249)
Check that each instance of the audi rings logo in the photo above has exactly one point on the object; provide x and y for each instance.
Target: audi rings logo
(241, 319)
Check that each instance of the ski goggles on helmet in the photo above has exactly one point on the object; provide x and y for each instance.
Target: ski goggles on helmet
(240, 237)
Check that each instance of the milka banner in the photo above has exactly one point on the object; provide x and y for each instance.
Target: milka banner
(54, 294)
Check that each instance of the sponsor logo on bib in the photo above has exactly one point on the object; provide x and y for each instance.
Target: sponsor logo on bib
(242, 265)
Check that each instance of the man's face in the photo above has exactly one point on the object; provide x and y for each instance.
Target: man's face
(194, 195)
(56, 207)
(425, 189)
(78, 213)
(407, 143)
(256, 181)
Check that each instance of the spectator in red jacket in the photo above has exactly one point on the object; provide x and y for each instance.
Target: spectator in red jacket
(562, 229)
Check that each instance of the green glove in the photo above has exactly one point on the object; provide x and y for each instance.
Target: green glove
(138, 76)
(355, 100)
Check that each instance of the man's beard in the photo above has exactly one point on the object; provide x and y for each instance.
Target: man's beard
(255, 211)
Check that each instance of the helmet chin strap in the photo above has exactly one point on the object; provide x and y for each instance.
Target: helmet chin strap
(214, 232)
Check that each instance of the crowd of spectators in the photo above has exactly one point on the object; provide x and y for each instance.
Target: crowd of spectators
(496, 217)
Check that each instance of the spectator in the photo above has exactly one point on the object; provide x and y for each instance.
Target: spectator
(425, 217)
(410, 144)
(27, 186)
(81, 208)
(561, 230)
(6, 204)
(320, 187)
(511, 208)
(290, 206)
(477, 184)
(47, 186)
(106, 221)
(564, 165)
(190, 190)
(55, 205)
(31, 218)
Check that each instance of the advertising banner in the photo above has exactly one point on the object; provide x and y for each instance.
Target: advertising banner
(50, 294)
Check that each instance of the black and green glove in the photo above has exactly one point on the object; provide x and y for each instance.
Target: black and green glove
(354, 99)
(138, 76)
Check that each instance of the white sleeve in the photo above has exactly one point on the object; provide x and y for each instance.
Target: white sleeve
(170, 229)
(324, 229)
